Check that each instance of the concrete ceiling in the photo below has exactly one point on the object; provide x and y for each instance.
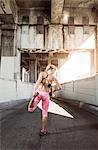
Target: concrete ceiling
(57, 6)
(33, 3)
(8, 11)
(80, 3)
(4, 7)
(47, 3)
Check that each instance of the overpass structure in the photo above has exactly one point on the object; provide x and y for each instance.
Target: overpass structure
(34, 33)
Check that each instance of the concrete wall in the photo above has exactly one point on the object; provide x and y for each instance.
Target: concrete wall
(78, 13)
(79, 40)
(7, 67)
(58, 37)
(84, 90)
(7, 47)
(11, 88)
(24, 90)
(30, 38)
(33, 14)
(10, 67)
(14, 90)
(62, 36)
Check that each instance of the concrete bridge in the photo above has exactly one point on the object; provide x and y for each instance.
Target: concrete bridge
(33, 34)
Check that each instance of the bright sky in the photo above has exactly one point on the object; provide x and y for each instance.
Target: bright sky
(78, 65)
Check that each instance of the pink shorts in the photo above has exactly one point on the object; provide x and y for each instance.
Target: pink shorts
(44, 96)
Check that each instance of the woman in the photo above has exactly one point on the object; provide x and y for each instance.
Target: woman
(42, 92)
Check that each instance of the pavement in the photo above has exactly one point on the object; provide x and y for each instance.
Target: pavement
(69, 127)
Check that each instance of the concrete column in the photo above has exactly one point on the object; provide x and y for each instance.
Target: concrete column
(55, 38)
(0, 49)
(96, 78)
(13, 7)
(15, 40)
(50, 58)
(36, 70)
(56, 10)
(18, 55)
(18, 62)
(92, 62)
(18, 37)
(32, 71)
(46, 37)
(60, 64)
(96, 55)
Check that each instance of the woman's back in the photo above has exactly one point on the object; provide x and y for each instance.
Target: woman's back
(46, 78)
(46, 82)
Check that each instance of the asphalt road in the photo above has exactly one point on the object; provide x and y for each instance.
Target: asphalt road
(20, 129)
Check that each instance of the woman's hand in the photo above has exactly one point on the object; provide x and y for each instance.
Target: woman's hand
(35, 94)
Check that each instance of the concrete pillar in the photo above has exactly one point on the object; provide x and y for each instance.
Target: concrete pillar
(15, 40)
(92, 62)
(18, 65)
(96, 78)
(60, 64)
(61, 74)
(13, 7)
(32, 71)
(46, 37)
(56, 10)
(0, 48)
(18, 55)
(55, 38)
(36, 70)
(19, 37)
(50, 58)
(96, 55)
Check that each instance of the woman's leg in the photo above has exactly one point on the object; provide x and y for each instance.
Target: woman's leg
(35, 103)
(45, 106)
(44, 123)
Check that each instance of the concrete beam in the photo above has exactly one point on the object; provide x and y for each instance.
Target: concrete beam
(4, 7)
(56, 10)
(60, 55)
(9, 7)
(13, 7)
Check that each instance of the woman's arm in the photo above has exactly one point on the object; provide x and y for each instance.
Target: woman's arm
(58, 86)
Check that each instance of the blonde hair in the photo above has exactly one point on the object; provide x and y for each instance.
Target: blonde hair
(50, 66)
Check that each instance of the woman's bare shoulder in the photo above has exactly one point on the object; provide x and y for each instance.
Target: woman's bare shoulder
(43, 73)
(40, 75)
